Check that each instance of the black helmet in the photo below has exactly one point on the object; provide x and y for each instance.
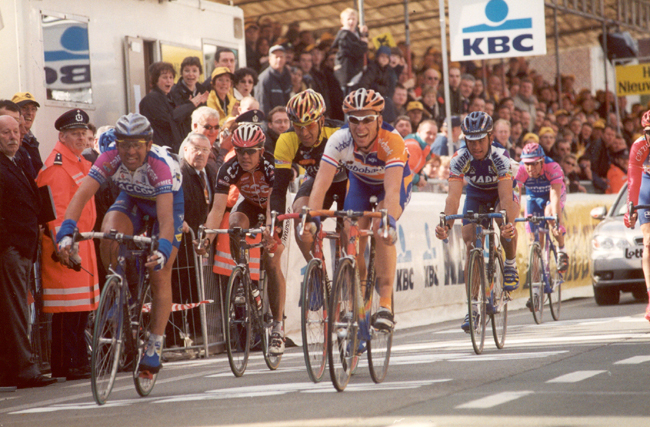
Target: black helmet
(476, 125)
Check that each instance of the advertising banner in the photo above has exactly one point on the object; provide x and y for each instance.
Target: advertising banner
(633, 79)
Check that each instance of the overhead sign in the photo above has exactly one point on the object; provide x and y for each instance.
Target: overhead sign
(488, 29)
(385, 39)
(633, 79)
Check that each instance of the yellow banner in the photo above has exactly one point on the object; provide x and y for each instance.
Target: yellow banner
(385, 39)
(176, 54)
(633, 79)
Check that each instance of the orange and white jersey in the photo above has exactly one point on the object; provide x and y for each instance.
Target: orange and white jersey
(387, 151)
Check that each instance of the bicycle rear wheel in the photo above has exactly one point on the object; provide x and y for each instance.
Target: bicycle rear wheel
(379, 345)
(535, 279)
(107, 341)
(266, 321)
(143, 383)
(498, 303)
(342, 325)
(476, 281)
(238, 322)
(555, 280)
(313, 319)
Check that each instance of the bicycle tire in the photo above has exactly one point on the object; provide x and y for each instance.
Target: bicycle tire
(108, 338)
(379, 347)
(476, 276)
(535, 279)
(499, 300)
(342, 325)
(238, 323)
(266, 323)
(556, 279)
(313, 319)
(143, 384)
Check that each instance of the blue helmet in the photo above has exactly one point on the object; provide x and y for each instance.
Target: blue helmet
(133, 125)
(532, 152)
(476, 125)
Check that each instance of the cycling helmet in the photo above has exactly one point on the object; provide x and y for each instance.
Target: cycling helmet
(133, 126)
(363, 99)
(645, 119)
(306, 107)
(248, 135)
(532, 153)
(476, 125)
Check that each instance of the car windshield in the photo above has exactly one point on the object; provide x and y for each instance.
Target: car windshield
(619, 207)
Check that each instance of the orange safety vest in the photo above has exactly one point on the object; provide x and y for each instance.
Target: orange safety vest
(223, 262)
(66, 290)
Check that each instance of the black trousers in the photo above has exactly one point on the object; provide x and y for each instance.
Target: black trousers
(69, 348)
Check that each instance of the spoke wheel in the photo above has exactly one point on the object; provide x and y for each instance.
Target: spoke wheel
(272, 360)
(108, 339)
(143, 384)
(555, 279)
(535, 279)
(342, 325)
(380, 344)
(313, 319)
(498, 303)
(238, 323)
(476, 282)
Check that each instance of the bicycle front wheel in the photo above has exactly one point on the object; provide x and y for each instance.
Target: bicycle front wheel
(342, 325)
(107, 341)
(380, 343)
(555, 281)
(143, 383)
(535, 279)
(476, 307)
(498, 303)
(272, 360)
(313, 319)
(238, 322)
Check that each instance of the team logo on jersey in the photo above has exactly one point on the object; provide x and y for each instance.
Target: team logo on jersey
(108, 167)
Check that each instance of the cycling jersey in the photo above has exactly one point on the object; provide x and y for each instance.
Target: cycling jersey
(639, 163)
(387, 151)
(481, 174)
(253, 186)
(540, 187)
(159, 174)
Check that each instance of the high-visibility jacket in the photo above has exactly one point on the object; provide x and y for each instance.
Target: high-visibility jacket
(223, 262)
(66, 290)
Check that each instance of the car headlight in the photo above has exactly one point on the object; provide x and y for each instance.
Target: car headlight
(607, 243)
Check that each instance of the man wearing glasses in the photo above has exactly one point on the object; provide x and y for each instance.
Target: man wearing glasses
(638, 184)
(251, 170)
(377, 161)
(150, 182)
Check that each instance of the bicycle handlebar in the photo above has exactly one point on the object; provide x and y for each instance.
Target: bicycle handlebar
(118, 237)
(537, 219)
(632, 208)
(470, 216)
(382, 213)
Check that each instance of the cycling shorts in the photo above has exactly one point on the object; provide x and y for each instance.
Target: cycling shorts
(644, 199)
(136, 208)
(359, 193)
(336, 189)
(251, 210)
(537, 206)
(480, 201)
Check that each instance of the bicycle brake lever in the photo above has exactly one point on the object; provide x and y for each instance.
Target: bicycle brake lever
(303, 222)
(443, 224)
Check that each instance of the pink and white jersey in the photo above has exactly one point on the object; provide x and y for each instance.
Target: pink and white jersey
(541, 186)
(639, 163)
(159, 174)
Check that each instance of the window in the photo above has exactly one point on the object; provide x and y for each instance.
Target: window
(67, 59)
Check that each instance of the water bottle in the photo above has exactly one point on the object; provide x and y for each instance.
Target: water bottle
(257, 298)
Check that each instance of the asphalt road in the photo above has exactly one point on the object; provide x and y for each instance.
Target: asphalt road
(588, 369)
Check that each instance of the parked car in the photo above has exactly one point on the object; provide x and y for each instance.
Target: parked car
(616, 253)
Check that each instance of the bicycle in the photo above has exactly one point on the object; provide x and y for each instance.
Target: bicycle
(122, 304)
(247, 308)
(542, 276)
(484, 284)
(353, 305)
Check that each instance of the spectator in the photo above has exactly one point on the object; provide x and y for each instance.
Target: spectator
(547, 139)
(19, 210)
(478, 90)
(252, 32)
(8, 108)
(221, 97)
(489, 107)
(377, 74)
(415, 110)
(278, 123)
(441, 144)
(617, 173)
(352, 48)
(335, 95)
(419, 145)
(158, 107)
(70, 295)
(403, 125)
(456, 98)
(504, 112)
(262, 48)
(224, 57)
(29, 107)
(274, 86)
(561, 149)
(90, 136)
(516, 132)
(528, 138)
(525, 101)
(502, 133)
(317, 78)
(466, 87)
(494, 89)
(245, 81)
(433, 104)
(297, 81)
(205, 120)
(187, 94)
(477, 104)
(400, 96)
(431, 78)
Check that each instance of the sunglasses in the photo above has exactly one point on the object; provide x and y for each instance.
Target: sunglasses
(249, 151)
(365, 120)
(297, 125)
(209, 128)
(124, 144)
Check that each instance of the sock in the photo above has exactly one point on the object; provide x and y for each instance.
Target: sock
(277, 326)
(386, 302)
(154, 345)
(510, 262)
(560, 249)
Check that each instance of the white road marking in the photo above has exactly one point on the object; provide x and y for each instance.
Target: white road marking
(494, 400)
(635, 360)
(575, 377)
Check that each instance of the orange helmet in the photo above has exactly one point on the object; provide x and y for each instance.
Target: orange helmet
(363, 99)
(248, 135)
(306, 107)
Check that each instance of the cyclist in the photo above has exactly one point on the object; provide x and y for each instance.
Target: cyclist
(304, 145)
(544, 182)
(638, 192)
(377, 162)
(149, 178)
(251, 170)
(486, 168)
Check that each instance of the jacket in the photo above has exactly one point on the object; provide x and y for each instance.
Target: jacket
(158, 109)
(350, 56)
(213, 102)
(183, 107)
(273, 89)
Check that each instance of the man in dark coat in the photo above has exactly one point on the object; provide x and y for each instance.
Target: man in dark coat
(274, 84)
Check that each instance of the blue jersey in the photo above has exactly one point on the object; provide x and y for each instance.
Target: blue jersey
(481, 174)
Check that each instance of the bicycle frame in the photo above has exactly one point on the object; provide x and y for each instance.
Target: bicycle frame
(547, 246)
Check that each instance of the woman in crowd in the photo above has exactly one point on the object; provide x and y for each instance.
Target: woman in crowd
(221, 97)
(187, 94)
(245, 81)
